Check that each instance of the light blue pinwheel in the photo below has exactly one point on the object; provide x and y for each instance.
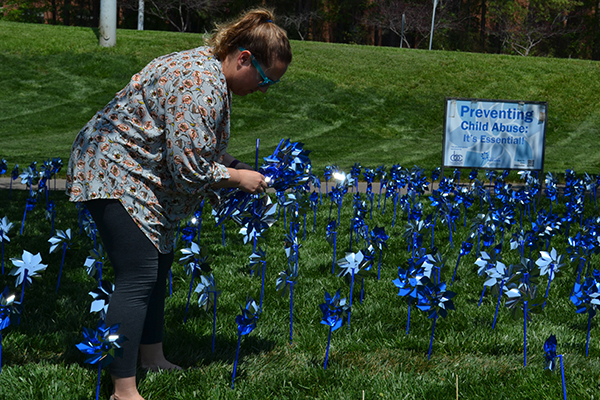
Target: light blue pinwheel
(197, 260)
(5, 227)
(288, 278)
(205, 288)
(351, 265)
(101, 298)
(246, 323)
(259, 257)
(498, 275)
(64, 238)
(586, 297)
(335, 311)
(8, 308)
(550, 264)
(522, 299)
(101, 346)
(95, 262)
(25, 268)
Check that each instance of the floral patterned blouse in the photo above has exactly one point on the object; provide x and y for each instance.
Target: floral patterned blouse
(157, 146)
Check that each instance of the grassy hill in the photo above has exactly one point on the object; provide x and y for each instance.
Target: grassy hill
(347, 103)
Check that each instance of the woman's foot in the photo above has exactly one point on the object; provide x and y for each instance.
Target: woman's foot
(125, 389)
(152, 358)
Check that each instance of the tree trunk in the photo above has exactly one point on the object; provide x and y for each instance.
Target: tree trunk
(482, 28)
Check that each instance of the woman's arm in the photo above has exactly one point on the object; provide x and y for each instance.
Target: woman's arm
(247, 180)
(231, 162)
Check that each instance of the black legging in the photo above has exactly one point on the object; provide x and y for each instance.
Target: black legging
(138, 301)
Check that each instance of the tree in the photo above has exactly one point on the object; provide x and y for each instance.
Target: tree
(177, 13)
(524, 24)
(387, 15)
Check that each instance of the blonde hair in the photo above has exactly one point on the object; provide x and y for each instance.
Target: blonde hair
(256, 32)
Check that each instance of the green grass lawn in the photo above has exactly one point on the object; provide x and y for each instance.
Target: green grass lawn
(374, 355)
(347, 103)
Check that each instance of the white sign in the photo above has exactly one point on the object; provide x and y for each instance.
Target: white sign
(494, 134)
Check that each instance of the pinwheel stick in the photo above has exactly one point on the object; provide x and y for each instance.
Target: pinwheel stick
(22, 293)
(379, 268)
(562, 374)
(189, 294)
(450, 230)
(498, 303)
(291, 310)
(2, 244)
(455, 268)
(334, 245)
(587, 346)
(237, 352)
(350, 303)
(1, 351)
(431, 340)
(61, 264)
(328, 342)
(395, 207)
(481, 298)
(98, 381)
(214, 322)
(262, 285)
(408, 318)
(525, 333)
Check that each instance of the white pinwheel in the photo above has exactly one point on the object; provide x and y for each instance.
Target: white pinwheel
(27, 267)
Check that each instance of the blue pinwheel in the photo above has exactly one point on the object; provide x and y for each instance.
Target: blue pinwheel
(3, 166)
(465, 249)
(205, 288)
(65, 238)
(586, 297)
(196, 260)
(522, 299)
(5, 227)
(379, 239)
(436, 301)
(369, 176)
(413, 234)
(101, 298)
(331, 236)
(101, 346)
(246, 323)
(335, 311)
(550, 357)
(408, 282)
(8, 308)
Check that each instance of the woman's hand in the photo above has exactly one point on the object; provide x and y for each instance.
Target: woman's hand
(251, 181)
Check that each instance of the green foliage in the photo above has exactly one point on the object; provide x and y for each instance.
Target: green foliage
(347, 103)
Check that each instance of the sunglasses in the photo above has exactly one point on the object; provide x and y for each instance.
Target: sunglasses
(265, 79)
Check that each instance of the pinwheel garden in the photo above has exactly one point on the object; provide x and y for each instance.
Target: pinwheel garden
(504, 263)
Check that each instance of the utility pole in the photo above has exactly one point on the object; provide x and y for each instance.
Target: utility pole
(141, 15)
(435, 3)
(108, 23)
